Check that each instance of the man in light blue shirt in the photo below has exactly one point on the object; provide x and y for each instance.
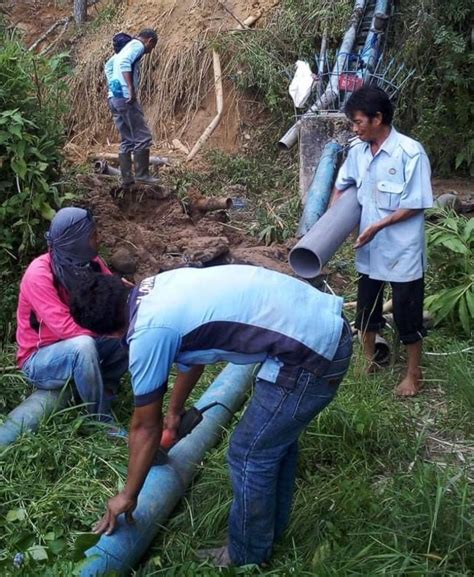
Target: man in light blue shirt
(241, 314)
(392, 175)
(122, 72)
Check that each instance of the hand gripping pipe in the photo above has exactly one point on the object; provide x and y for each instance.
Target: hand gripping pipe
(314, 250)
(27, 416)
(166, 484)
(319, 190)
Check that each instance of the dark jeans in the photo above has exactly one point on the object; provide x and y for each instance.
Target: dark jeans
(131, 124)
(95, 364)
(263, 455)
(407, 307)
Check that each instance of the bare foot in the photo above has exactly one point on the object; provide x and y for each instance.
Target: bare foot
(410, 386)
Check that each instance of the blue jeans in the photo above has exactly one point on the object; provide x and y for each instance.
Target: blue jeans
(94, 364)
(263, 455)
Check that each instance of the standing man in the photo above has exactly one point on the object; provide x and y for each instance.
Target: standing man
(392, 175)
(242, 314)
(123, 75)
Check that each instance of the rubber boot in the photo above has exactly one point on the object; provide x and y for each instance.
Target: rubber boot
(141, 160)
(125, 162)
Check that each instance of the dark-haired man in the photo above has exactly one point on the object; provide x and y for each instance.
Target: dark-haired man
(392, 175)
(123, 74)
(52, 348)
(242, 314)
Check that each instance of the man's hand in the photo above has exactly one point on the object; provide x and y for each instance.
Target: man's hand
(144, 437)
(128, 77)
(121, 503)
(398, 216)
(171, 425)
(367, 235)
(126, 283)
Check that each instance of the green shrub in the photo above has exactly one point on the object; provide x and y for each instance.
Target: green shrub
(451, 254)
(437, 106)
(31, 135)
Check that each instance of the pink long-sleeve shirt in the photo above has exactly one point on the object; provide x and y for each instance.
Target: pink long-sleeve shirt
(40, 300)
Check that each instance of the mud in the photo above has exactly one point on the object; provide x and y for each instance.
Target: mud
(141, 230)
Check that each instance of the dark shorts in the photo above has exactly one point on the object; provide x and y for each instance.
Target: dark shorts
(407, 307)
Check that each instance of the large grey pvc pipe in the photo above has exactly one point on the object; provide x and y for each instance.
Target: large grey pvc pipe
(332, 89)
(28, 415)
(314, 250)
(166, 484)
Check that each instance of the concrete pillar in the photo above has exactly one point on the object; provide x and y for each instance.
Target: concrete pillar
(315, 132)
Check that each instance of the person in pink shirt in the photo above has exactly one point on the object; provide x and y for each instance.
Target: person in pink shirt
(52, 347)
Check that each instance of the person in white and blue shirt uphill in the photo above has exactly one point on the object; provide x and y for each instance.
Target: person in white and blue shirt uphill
(122, 72)
(240, 314)
(392, 174)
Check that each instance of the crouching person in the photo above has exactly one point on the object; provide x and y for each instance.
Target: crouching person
(241, 314)
(52, 347)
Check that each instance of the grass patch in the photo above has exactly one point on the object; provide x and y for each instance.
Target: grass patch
(372, 498)
(384, 486)
(267, 181)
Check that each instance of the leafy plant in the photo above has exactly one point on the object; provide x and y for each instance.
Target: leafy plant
(435, 36)
(451, 250)
(31, 136)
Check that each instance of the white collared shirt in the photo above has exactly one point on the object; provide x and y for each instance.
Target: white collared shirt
(397, 176)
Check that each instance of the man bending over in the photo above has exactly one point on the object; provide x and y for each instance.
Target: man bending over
(244, 315)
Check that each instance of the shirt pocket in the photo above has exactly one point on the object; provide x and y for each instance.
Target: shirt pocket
(388, 194)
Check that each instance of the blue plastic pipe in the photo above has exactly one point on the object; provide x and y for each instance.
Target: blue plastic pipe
(371, 51)
(166, 484)
(319, 191)
(28, 415)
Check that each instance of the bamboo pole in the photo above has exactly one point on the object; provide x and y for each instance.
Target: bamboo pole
(219, 104)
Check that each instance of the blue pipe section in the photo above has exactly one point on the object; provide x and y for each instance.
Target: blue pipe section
(28, 415)
(371, 51)
(166, 484)
(319, 192)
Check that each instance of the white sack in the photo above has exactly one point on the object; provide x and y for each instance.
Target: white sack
(302, 83)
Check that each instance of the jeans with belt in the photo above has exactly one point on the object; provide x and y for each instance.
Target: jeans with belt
(263, 454)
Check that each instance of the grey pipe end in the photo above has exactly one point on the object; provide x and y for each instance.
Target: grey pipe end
(283, 146)
(305, 262)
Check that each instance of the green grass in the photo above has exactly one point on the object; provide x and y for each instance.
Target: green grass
(267, 181)
(384, 486)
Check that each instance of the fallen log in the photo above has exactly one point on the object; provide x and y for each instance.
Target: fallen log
(51, 29)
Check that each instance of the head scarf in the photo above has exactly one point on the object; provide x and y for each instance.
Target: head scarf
(69, 243)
